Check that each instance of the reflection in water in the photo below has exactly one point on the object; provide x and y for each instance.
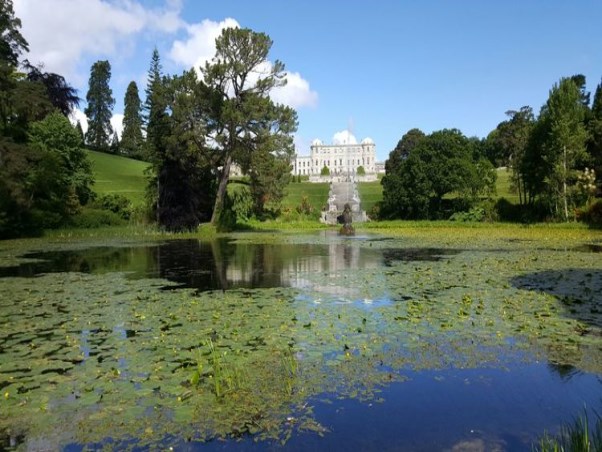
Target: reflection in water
(208, 265)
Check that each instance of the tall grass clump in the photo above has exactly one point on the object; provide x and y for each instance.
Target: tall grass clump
(579, 436)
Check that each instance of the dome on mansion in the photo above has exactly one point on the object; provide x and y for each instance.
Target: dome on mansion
(367, 140)
(316, 142)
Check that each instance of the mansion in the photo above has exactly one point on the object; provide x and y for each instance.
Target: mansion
(340, 159)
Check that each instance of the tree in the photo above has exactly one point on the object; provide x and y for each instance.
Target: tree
(594, 126)
(80, 132)
(442, 163)
(132, 141)
(508, 144)
(269, 175)
(403, 149)
(557, 146)
(182, 187)
(57, 138)
(12, 43)
(60, 93)
(241, 116)
(100, 105)
(153, 108)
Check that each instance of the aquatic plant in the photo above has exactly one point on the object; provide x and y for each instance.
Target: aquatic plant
(579, 436)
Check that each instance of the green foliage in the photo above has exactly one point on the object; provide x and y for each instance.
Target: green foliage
(474, 215)
(57, 138)
(117, 204)
(361, 171)
(556, 148)
(269, 175)
(241, 202)
(442, 163)
(591, 214)
(240, 115)
(325, 171)
(61, 95)
(594, 126)
(100, 107)
(403, 149)
(12, 42)
(305, 207)
(154, 113)
(92, 218)
(45, 181)
(183, 179)
(132, 141)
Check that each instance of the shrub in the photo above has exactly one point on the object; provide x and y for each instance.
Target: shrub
(361, 171)
(90, 218)
(476, 214)
(305, 207)
(325, 171)
(115, 203)
(375, 211)
(592, 214)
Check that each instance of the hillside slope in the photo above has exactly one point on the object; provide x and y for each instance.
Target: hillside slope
(119, 175)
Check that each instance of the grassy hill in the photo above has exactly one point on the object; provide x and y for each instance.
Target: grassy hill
(317, 194)
(124, 176)
(119, 175)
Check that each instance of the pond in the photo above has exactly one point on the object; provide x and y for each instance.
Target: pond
(267, 341)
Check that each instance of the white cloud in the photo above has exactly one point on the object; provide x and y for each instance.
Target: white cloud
(199, 48)
(117, 124)
(78, 115)
(61, 32)
(344, 137)
(296, 93)
(200, 45)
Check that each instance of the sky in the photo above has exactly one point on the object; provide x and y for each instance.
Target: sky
(355, 68)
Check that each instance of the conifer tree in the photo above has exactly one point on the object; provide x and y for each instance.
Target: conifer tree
(132, 141)
(100, 106)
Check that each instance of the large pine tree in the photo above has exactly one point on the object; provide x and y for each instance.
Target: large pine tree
(132, 141)
(100, 107)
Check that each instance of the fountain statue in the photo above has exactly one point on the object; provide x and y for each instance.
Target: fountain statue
(345, 219)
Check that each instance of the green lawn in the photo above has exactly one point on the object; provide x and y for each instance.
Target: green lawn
(119, 175)
(370, 194)
(503, 185)
(317, 194)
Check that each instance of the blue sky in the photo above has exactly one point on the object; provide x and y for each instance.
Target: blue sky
(377, 68)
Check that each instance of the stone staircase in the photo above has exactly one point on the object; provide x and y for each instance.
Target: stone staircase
(339, 194)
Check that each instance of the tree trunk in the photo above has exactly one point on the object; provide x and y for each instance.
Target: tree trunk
(564, 189)
(221, 192)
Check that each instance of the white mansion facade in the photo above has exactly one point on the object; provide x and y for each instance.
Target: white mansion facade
(340, 159)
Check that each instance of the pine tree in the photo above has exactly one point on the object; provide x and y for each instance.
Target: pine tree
(100, 105)
(132, 141)
(154, 106)
(80, 133)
